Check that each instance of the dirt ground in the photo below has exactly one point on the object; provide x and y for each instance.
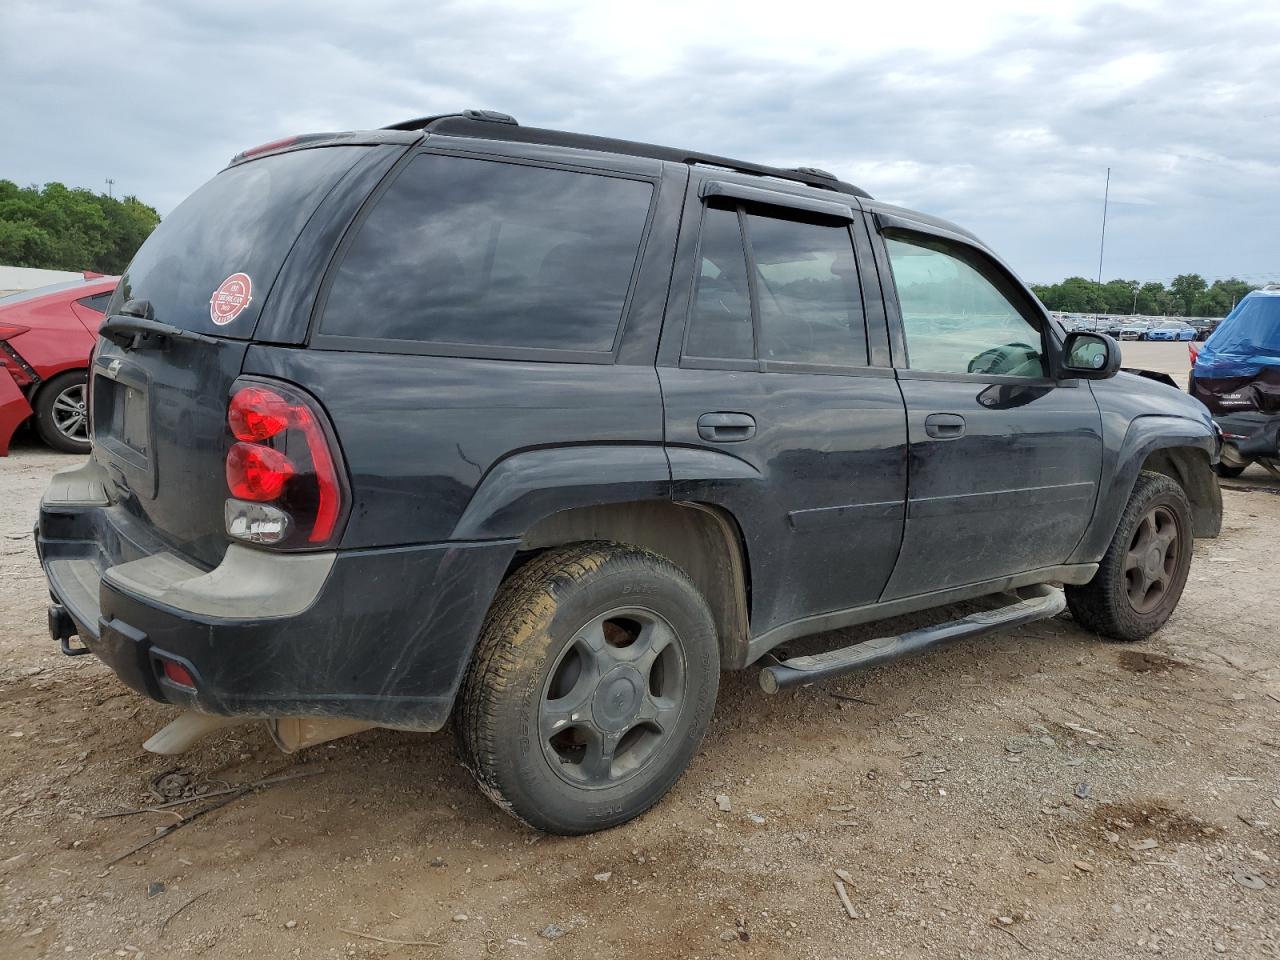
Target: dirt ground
(1037, 793)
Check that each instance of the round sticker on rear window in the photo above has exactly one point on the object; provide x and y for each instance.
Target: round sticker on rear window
(231, 297)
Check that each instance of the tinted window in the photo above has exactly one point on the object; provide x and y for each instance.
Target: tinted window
(244, 220)
(476, 252)
(807, 284)
(720, 325)
(956, 320)
(98, 302)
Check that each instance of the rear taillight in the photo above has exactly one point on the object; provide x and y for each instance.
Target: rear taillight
(256, 472)
(284, 472)
(1195, 353)
(11, 360)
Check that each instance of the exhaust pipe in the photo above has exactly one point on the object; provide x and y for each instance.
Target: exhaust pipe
(294, 733)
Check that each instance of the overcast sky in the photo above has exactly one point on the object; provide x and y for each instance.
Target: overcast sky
(994, 114)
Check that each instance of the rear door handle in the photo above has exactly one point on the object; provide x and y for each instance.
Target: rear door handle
(944, 426)
(726, 427)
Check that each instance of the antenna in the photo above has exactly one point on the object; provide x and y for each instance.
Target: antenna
(110, 184)
(1102, 244)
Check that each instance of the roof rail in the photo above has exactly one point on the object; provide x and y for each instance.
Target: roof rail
(492, 125)
(481, 116)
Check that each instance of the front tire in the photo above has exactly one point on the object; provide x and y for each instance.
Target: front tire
(591, 687)
(62, 416)
(1140, 579)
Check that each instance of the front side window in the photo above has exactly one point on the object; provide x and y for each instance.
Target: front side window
(491, 254)
(955, 320)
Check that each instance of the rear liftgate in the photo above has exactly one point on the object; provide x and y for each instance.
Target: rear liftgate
(1032, 603)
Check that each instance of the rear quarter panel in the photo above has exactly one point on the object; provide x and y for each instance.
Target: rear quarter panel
(420, 434)
(57, 340)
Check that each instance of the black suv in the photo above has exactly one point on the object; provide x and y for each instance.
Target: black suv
(542, 431)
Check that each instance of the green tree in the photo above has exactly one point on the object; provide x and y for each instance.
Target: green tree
(1187, 289)
(1153, 299)
(1118, 295)
(59, 228)
(1078, 295)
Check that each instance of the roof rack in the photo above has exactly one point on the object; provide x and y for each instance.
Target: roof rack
(492, 125)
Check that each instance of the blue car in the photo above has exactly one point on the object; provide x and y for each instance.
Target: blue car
(1171, 330)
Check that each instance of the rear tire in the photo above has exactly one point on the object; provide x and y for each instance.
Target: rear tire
(1226, 472)
(1140, 579)
(62, 417)
(591, 687)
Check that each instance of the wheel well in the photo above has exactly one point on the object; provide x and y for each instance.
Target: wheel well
(37, 389)
(702, 540)
(1189, 467)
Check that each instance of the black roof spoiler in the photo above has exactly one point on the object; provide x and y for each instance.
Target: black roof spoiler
(492, 125)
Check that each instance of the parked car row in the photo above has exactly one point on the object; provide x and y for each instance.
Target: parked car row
(1139, 328)
(46, 337)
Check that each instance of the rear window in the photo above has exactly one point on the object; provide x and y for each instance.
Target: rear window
(241, 224)
(97, 302)
(481, 254)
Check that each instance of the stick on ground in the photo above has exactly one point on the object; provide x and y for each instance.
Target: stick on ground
(159, 807)
(181, 908)
(844, 898)
(401, 943)
(235, 794)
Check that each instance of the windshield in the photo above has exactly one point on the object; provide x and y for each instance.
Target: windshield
(210, 264)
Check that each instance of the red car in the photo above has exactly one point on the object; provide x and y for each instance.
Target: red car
(46, 336)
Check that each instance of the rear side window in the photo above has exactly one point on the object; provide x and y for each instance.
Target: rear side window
(97, 302)
(485, 254)
(799, 285)
(721, 323)
(810, 302)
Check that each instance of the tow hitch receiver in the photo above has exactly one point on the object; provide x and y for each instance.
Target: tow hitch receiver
(63, 629)
(1033, 603)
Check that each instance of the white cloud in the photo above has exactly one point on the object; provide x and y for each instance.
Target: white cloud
(1002, 115)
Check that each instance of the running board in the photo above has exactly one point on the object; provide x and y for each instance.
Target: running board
(1034, 603)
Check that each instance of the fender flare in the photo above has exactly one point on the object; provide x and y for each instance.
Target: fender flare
(525, 487)
(1147, 435)
(529, 486)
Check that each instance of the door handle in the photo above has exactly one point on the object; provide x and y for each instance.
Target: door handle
(726, 427)
(944, 426)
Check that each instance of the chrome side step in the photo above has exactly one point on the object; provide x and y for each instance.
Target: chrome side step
(1034, 603)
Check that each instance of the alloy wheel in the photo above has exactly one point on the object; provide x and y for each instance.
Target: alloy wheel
(612, 699)
(1151, 562)
(70, 414)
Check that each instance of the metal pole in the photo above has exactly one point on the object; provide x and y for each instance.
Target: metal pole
(1134, 311)
(110, 183)
(1102, 244)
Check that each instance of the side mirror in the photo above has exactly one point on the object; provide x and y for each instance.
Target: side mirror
(1091, 356)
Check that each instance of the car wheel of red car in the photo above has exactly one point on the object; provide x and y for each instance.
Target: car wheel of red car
(62, 415)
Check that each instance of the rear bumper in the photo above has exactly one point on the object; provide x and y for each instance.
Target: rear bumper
(383, 636)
